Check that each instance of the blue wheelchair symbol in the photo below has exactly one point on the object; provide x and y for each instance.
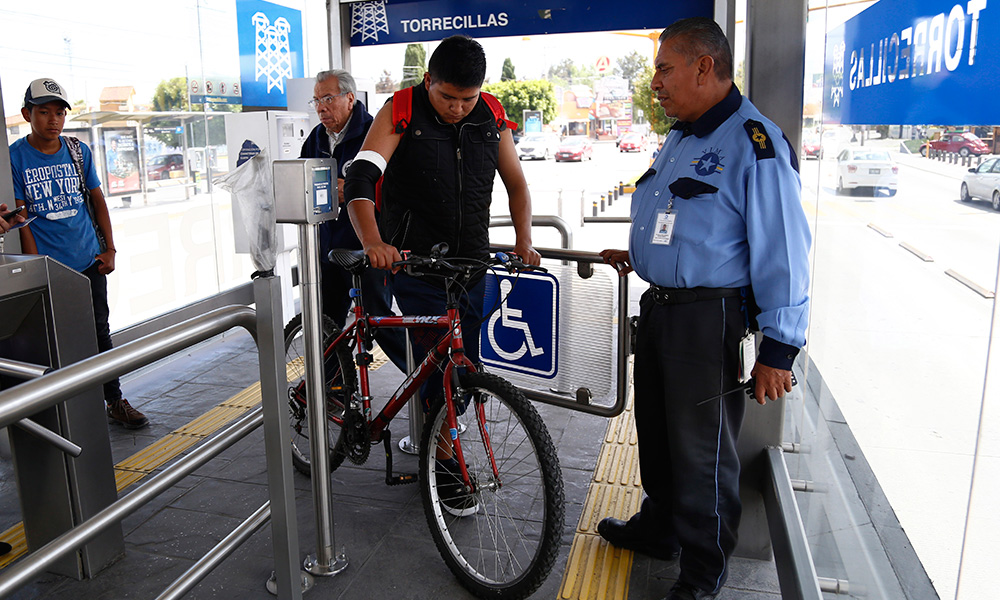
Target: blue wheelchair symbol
(522, 334)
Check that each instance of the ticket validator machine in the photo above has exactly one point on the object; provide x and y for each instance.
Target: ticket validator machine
(305, 194)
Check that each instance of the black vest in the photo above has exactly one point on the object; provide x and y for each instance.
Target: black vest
(439, 182)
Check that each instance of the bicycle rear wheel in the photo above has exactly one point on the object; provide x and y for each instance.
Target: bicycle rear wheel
(339, 383)
(507, 543)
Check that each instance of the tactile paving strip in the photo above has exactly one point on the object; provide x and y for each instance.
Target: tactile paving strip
(597, 570)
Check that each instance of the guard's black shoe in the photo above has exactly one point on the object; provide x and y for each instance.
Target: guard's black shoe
(629, 535)
(686, 591)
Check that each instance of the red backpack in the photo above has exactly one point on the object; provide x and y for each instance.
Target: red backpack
(402, 110)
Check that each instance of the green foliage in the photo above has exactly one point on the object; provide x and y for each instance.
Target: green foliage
(414, 65)
(631, 66)
(171, 94)
(519, 96)
(507, 73)
(643, 99)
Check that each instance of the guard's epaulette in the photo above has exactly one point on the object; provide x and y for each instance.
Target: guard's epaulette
(763, 147)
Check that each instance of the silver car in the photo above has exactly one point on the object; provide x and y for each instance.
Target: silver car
(537, 145)
(983, 182)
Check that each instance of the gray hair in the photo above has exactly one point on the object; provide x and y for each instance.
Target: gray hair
(345, 81)
(700, 36)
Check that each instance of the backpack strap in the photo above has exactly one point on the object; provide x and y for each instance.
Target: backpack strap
(498, 112)
(73, 146)
(402, 109)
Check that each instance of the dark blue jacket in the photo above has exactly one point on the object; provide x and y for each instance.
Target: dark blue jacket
(339, 233)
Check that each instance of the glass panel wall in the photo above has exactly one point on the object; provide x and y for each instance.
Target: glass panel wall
(130, 73)
(906, 241)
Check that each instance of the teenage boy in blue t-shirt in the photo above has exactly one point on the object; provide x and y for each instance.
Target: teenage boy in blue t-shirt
(47, 182)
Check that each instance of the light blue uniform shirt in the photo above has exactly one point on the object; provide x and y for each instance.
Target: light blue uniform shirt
(750, 231)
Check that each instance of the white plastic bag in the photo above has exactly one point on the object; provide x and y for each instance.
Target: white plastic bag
(253, 192)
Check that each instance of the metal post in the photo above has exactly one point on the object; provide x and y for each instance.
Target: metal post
(411, 443)
(602, 202)
(616, 193)
(621, 187)
(324, 563)
(595, 208)
(559, 204)
(289, 581)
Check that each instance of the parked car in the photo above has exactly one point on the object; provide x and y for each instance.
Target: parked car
(866, 167)
(160, 167)
(537, 145)
(833, 140)
(983, 182)
(811, 147)
(575, 148)
(962, 142)
(633, 142)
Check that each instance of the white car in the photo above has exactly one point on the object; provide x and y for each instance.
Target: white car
(983, 182)
(537, 145)
(866, 167)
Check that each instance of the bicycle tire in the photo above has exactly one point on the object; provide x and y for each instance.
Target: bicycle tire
(339, 386)
(506, 548)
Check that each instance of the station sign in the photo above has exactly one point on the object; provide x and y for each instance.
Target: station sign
(391, 22)
(270, 43)
(914, 62)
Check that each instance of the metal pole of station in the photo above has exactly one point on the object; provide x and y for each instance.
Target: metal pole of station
(411, 443)
(323, 563)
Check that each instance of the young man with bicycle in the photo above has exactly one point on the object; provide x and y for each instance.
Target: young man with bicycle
(437, 162)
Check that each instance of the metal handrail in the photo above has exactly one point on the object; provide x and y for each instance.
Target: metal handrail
(38, 394)
(582, 402)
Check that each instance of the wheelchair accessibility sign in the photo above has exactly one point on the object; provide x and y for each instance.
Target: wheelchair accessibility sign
(523, 333)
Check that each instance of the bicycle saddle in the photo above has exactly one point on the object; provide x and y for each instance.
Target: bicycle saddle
(354, 261)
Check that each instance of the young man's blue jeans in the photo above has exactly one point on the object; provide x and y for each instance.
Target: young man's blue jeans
(420, 297)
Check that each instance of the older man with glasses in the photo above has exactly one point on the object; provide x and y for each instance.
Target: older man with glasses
(344, 123)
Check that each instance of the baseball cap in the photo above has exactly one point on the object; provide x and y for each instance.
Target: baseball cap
(44, 90)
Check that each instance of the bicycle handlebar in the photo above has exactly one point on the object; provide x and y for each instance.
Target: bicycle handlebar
(437, 265)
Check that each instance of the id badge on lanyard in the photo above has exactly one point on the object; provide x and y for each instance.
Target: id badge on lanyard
(663, 232)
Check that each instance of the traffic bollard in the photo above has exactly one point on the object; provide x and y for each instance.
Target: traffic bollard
(602, 202)
(595, 208)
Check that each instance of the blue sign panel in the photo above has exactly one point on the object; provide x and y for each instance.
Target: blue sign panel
(915, 62)
(392, 22)
(521, 335)
(270, 40)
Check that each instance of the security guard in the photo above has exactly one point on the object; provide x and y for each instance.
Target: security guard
(718, 213)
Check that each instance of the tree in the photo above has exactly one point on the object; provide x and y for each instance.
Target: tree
(507, 74)
(631, 66)
(565, 73)
(414, 65)
(171, 94)
(519, 96)
(643, 99)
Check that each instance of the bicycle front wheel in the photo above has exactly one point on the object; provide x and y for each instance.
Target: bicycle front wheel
(339, 383)
(500, 539)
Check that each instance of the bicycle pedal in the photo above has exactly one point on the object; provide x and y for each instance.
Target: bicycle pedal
(403, 479)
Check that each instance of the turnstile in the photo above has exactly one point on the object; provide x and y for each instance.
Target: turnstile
(47, 319)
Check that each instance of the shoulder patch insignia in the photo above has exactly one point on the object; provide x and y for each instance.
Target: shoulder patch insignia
(763, 147)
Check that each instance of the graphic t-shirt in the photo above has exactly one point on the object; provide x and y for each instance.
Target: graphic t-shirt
(50, 186)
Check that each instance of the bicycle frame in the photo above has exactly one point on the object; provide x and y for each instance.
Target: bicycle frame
(449, 351)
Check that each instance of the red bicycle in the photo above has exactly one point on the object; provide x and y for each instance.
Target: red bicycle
(489, 476)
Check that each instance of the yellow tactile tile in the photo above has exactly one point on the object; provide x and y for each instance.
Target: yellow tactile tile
(211, 421)
(159, 452)
(595, 571)
(608, 501)
(18, 543)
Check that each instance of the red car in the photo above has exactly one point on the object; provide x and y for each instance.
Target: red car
(160, 167)
(957, 141)
(575, 148)
(633, 142)
(810, 148)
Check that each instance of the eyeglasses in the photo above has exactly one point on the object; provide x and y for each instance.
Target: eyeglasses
(315, 102)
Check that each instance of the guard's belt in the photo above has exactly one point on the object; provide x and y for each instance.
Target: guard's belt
(665, 295)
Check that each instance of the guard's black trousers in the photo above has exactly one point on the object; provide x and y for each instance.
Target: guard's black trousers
(684, 354)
